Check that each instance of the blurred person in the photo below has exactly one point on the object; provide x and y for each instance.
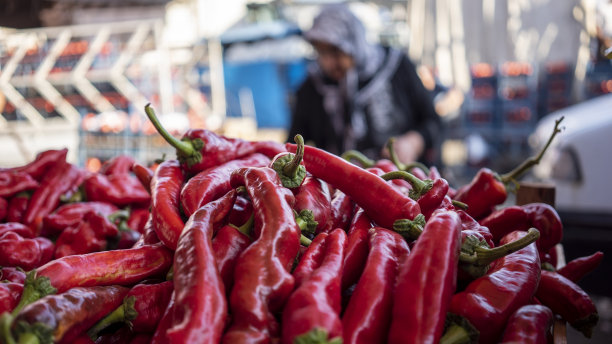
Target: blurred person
(358, 94)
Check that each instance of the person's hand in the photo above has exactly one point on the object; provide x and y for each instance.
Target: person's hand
(408, 147)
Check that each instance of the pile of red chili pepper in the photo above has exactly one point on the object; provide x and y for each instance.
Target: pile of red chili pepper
(259, 242)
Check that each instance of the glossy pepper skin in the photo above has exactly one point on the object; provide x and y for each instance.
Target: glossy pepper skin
(10, 293)
(314, 195)
(227, 245)
(577, 268)
(427, 281)
(69, 314)
(383, 203)
(118, 189)
(90, 235)
(165, 192)
(144, 175)
(17, 207)
(568, 300)
(357, 249)
(433, 198)
(315, 303)
(342, 209)
(12, 183)
(368, 315)
(43, 161)
(506, 220)
(72, 214)
(138, 219)
(24, 253)
(530, 324)
(262, 282)
(200, 307)
(159, 336)
(483, 193)
(214, 182)
(489, 301)
(18, 228)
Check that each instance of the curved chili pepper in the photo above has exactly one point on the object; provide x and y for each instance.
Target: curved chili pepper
(18, 228)
(314, 306)
(159, 336)
(24, 253)
(214, 182)
(12, 274)
(227, 245)
(142, 308)
(546, 219)
(118, 189)
(357, 248)
(165, 193)
(577, 268)
(432, 199)
(262, 282)
(342, 208)
(72, 214)
(383, 203)
(314, 195)
(367, 317)
(242, 211)
(568, 300)
(12, 183)
(310, 259)
(200, 307)
(149, 237)
(427, 282)
(42, 163)
(489, 301)
(138, 219)
(17, 207)
(529, 324)
(118, 165)
(200, 149)
(506, 220)
(10, 292)
(65, 316)
(144, 175)
(91, 235)
(45, 199)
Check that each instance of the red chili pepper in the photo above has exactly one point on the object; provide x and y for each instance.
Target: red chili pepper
(506, 220)
(568, 300)
(159, 336)
(529, 324)
(68, 315)
(118, 165)
(3, 208)
(16, 227)
(46, 198)
(214, 182)
(368, 315)
(242, 211)
(165, 192)
(12, 183)
(314, 195)
(432, 200)
(470, 226)
(313, 309)
(489, 301)
(342, 209)
(141, 338)
(227, 245)
(262, 281)
(42, 163)
(200, 307)
(144, 175)
(72, 214)
(120, 190)
(357, 249)
(577, 268)
(200, 149)
(149, 237)
(17, 207)
(382, 202)
(12, 274)
(10, 292)
(24, 253)
(142, 308)
(426, 282)
(90, 235)
(138, 219)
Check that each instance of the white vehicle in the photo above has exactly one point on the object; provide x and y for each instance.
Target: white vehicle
(579, 160)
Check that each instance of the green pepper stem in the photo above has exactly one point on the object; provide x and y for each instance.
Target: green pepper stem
(531, 161)
(28, 338)
(291, 168)
(416, 164)
(363, 160)
(124, 313)
(34, 288)
(410, 229)
(455, 334)
(304, 240)
(459, 205)
(246, 227)
(185, 148)
(6, 321)
(419, 187)
(484, 256)
(400, 165)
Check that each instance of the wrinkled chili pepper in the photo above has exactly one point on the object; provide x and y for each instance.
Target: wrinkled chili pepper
(90, 235)
(17, 207)
(12, 274)
(577, 268)
(120, 190)
(45, 199)
(426, 282)
(200, 307)
(165, 193)
(357, 248)
(262, 282)
(10, 292)
(489, 301)
(227, 245)
(138, 219)
(383, 203)
(16, 227)
(567, 299)
(63, 317)
(24, 253)
(313, 309)
(213, 183)
(144, 175)
(72, 214)
(42, 163)
(200, 149)
(314, 195)
(342, 209)
(159, 336)
(12, 183)
(529, 324)
(367, 317)
(142, 308)
(118, 165)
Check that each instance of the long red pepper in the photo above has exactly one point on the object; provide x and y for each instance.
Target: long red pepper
(214, 182)
(577, 268)
(384, 164)
(262, 281)
(12, 183)
(200, 149)
(313, 309)
(357, 248)
(64, 317)
(568, 300)
(342, 209)
(426, 282)
(227, 245)
(144, 175)
(310, 259)
(314, 195)
(383, 203)
(490, 300)
(159, 336)
(530, 324)
(71, 214)
(41, 164)
(367, 317)
(165, 193)
(200, 307)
